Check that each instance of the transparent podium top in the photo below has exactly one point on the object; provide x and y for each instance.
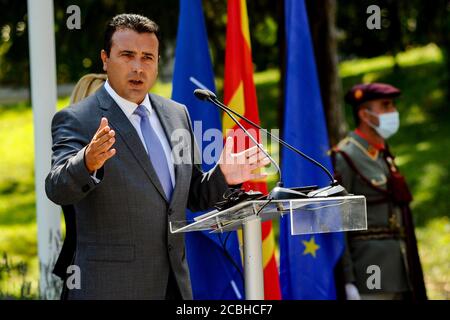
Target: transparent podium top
(308, 216)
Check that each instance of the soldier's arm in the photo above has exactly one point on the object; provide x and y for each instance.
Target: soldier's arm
(344, 173)
(345, 176)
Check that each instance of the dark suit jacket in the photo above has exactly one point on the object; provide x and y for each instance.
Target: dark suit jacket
(123, 246)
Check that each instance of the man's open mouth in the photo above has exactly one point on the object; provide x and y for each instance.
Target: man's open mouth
(136, 82)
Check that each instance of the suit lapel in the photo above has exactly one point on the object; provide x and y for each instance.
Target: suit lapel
(125, 129)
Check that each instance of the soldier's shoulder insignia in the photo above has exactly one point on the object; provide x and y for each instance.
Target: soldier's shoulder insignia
(372, 152)
(369, 151)
(342, 144)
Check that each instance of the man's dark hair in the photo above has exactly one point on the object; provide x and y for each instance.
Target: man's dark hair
(134, 22)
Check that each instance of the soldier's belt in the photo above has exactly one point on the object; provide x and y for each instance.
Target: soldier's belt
(377, 234)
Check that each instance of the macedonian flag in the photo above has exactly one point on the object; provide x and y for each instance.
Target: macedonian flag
(240, 95)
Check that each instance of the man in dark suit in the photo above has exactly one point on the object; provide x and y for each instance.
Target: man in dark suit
(123, 179)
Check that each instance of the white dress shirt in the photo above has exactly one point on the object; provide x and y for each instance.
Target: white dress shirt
(128, 109)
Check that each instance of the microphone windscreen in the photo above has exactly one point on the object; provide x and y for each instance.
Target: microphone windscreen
(203, 94)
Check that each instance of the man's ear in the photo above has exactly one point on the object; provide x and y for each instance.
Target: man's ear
(362, 114)
(104, 57)
(157, 65)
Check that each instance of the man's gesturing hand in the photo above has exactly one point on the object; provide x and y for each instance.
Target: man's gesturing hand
(240, 167)
(98, 150)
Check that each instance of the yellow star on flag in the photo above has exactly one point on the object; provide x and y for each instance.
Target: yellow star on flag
(310, 247)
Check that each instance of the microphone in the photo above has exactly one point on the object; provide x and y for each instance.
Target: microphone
(203, 94)
(278, 192)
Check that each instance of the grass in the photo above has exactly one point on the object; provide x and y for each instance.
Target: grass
(17, 197)
(434, 241)
(19, 246)
(422, 147)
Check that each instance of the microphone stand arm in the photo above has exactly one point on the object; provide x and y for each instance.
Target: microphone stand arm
(227, 111)
(287, 145)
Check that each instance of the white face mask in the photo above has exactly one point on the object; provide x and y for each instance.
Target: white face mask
(388, 123)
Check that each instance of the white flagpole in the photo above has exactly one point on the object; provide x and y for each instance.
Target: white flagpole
(43, 95)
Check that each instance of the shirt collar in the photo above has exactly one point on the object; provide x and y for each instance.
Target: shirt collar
(127, 107)
(378, 146)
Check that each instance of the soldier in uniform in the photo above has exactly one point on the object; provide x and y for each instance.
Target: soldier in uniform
(365, 166)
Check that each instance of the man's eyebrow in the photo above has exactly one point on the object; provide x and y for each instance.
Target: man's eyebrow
(127, 51)
(148, 53)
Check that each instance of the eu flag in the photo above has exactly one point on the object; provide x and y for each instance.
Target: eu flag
(213, 275)
(306, 262)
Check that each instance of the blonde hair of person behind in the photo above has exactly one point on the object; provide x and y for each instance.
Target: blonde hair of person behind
(86, 86)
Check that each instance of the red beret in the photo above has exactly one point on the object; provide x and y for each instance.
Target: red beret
(361, 93)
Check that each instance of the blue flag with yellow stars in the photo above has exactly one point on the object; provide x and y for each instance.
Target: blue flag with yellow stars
(306, 262)
(214, 272)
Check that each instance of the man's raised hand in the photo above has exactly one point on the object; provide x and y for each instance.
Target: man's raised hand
(240, 167)
(99, 149)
